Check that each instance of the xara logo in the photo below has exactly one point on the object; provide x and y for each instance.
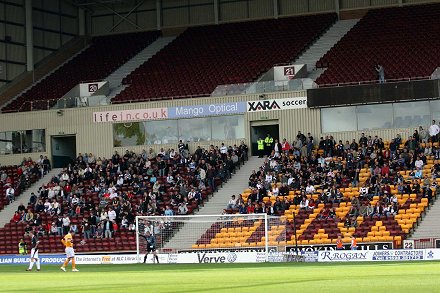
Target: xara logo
(263, 106)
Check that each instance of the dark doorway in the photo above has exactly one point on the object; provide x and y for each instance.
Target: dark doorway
(63, 150)
(261, 132)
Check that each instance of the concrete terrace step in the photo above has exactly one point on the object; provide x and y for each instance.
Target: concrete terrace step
(324, 44)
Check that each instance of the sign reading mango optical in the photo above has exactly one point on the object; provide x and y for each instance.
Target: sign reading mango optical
(206, 110)
(131, 115)
(277, 104)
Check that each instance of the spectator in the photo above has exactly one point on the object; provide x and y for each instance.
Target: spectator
(107, 228)
(232, 204)
(16, 217)
(183, 209)
(10, 194)
(66, 224)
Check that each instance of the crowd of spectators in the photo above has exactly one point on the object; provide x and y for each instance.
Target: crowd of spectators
(98, 196)
(22, 176)
(333, 165)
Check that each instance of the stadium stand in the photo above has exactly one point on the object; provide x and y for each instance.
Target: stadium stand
(389, 37)
(90, 190)
(102, 57)
(376, 197)
(202, 58)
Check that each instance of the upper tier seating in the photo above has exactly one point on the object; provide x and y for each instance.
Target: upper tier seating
(104, 56)
(136, 195)
(202, 58)
(327, 215)
(405, 41)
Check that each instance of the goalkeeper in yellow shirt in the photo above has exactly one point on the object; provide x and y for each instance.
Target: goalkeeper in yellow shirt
(70, 253)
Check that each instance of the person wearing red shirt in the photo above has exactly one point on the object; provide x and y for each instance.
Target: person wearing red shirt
(385, 170)
(250, 208)
(16, 218)
(285, 146)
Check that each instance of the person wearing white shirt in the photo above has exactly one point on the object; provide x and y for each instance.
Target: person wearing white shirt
(111, 189)
(269, 178)
(275, 191)
(64, 176)
(57, 189)
(321, 161)
(66, 224)
(170, 179)
(172, 154)
(418, 163)
(223, 149)
(120, 181)
(310, 189)
(111, 215)
(149, 228)
(113, 195)
(232, 204)
(433, 131)
(202, 174)
(304, 204)
(47, 206)
(10, 194)
(75, 200)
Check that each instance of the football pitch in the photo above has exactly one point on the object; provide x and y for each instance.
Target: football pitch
(264, 277)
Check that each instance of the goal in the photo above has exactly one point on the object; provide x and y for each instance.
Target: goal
(213, 233)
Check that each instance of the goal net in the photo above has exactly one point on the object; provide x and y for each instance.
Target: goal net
(212, 234)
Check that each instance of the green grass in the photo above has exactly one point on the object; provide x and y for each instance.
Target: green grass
(266, 277)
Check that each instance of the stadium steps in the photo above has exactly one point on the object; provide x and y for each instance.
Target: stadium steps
(324, 44)
(9, 210)
(428, 226)
(186, 236)
(115, 79)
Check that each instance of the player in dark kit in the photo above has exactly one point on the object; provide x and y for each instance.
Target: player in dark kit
(151, 246)
(34, 252)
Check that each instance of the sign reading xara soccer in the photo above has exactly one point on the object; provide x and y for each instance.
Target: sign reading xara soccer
(276, 104)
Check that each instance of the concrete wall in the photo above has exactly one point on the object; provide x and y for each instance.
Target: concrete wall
(98, 137)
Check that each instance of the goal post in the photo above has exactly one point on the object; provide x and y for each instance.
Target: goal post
(212, 233)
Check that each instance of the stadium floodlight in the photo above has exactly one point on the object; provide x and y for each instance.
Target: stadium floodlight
(212, 233)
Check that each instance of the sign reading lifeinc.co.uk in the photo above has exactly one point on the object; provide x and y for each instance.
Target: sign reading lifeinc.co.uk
(131, 115)
(276, 104)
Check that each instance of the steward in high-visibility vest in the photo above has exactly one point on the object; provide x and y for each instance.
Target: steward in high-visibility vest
(22, 249)
(268, 141)
(260, 147)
